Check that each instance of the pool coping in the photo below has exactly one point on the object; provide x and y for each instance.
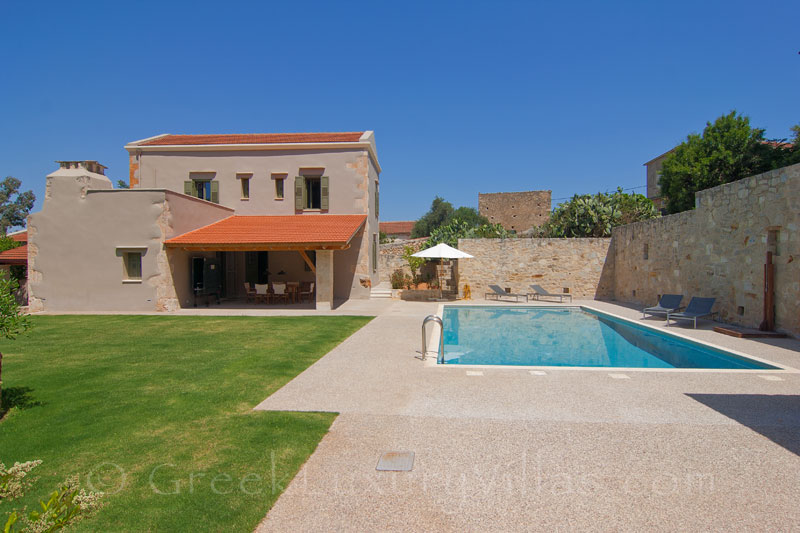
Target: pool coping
(432, 362)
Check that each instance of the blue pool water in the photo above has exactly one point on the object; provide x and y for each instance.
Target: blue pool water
(570, 336)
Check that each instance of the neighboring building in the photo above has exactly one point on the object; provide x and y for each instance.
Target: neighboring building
(653, 178)
(207, 214)
(516, 211)
(17, 257)
(399, 230)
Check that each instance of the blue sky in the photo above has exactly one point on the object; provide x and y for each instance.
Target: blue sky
(464, 97)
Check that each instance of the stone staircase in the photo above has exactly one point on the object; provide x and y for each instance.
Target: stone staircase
(382, 290)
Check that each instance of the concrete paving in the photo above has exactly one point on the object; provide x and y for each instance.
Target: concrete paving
(499, 449)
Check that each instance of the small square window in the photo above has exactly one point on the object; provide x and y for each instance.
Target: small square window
(132, 262)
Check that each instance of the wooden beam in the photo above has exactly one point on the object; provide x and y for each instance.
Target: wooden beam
(308, 261)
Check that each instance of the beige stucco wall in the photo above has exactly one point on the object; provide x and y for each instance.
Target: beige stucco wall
(577, 264)
(718, 250)
(74, 256)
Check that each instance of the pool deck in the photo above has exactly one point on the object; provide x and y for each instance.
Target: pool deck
(499, 449)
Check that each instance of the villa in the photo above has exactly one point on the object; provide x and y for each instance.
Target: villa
(206, 216)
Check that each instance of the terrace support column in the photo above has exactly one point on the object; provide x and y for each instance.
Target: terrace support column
(324, 280)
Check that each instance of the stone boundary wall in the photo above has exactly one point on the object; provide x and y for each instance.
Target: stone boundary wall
(719, 250)
(576, 264)
(390, 257)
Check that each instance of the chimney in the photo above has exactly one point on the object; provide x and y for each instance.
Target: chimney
(91, 166)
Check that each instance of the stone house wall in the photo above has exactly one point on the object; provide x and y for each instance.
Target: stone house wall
(518, 211)
(578, 265)
(719, 249)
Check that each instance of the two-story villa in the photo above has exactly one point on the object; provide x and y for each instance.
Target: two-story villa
(209, 211)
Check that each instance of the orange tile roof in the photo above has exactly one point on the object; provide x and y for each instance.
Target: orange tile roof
(274, 231)
(256, 138)
(402, 226)
(15, 256)
(22, 236)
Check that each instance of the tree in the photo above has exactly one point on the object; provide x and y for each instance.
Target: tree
(12, 321)
(438, 215)
(14, 211)
(469, 215)
(442, 213)
(727, 150)
(595, 215)
(122, 185)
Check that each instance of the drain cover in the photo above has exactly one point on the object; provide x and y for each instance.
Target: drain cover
(396, 461)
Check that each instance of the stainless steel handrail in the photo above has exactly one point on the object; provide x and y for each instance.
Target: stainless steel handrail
(440, 355)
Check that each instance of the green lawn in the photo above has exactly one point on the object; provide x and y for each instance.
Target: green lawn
(162, 406)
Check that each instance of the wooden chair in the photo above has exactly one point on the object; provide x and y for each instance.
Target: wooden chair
(306, 289)
(261, 293)
(249, 293)
(279, 292)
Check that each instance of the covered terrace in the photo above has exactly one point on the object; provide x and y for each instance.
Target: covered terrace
(240, 251)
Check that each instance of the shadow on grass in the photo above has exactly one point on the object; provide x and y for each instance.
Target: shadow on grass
(776, 417)
(19, 397)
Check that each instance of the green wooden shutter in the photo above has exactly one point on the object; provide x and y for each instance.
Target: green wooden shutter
(188, 188)
(323, 193)
(215, 191)
(299, 193)
(377, 201)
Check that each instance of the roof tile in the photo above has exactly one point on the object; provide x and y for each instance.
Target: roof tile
(255, 138)
(274, 230)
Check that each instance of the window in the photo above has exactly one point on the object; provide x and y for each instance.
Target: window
(374, 252)
(279, 188)
(377, 201)
(245, 188)
(646, 252)
(203, 189)
(311, 193)
(132, 261)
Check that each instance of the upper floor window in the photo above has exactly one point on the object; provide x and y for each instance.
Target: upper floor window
(205, 189)
(311, 193)
(279, 185)
(244, 179)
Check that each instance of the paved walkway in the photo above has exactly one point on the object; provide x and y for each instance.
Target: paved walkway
(571, 449)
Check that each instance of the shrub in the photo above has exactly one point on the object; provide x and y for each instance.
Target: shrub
(400, 280)
(66, 505)
(14, 481)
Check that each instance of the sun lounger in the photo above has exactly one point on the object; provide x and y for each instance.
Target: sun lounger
(498, 293)
(669, 303)
(538, 292)
(697, 308)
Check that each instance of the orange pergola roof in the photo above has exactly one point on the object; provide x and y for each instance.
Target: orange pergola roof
(291, 232)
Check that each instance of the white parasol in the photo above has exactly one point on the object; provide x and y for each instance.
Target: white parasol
(443, 251)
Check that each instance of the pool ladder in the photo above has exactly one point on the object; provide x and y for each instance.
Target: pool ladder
(437, 320)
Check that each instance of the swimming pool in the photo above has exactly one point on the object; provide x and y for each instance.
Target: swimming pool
(571, 336)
